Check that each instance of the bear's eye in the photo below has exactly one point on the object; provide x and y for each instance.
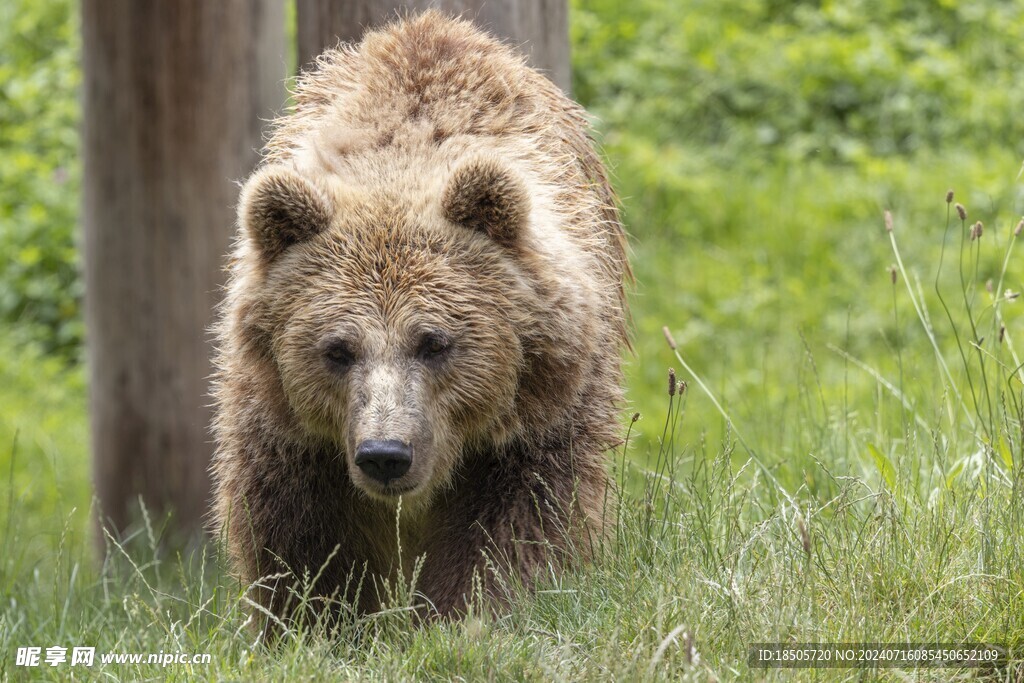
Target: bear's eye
(339, 353)
(434, 345)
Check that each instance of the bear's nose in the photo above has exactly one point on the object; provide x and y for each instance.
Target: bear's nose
(383, 460)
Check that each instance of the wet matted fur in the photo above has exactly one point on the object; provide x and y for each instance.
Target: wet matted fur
(429, 254)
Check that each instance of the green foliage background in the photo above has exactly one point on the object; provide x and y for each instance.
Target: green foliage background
(685, 94)
(839, 81)
(755, 146)
(40, 72)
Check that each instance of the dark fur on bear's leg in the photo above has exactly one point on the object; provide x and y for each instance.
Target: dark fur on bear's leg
(506, 522)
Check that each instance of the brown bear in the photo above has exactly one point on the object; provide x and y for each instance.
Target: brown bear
(420, 342)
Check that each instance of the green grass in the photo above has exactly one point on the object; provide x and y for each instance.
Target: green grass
(850, 496)
(758, 266)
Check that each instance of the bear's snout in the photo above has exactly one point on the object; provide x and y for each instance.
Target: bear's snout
(383, 461)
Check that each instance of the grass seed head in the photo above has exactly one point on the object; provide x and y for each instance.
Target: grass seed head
(892, 273)
(1002, 333)
(888, 221)
(961, 211)
(671, 382)
(668, 337)
(688, 647)
(976, 230)
(949, 196)
(805, 537)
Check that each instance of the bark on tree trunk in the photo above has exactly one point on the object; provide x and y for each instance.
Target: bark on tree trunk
(539, 27)
(174, 94)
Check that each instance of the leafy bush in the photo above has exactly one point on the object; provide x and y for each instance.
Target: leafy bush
(40, 285)
(838, 80)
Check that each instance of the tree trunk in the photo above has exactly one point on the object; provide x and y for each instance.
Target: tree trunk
(174, 94)
(539, 27)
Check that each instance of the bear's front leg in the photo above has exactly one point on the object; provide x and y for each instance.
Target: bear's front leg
(503, 525)
(296, 528)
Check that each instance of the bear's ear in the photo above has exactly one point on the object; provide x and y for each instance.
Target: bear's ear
(279, 208)
(485, 195)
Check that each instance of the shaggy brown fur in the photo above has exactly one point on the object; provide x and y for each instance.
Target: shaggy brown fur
(430, 254)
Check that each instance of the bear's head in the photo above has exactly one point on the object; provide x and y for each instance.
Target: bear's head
(404, 334)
